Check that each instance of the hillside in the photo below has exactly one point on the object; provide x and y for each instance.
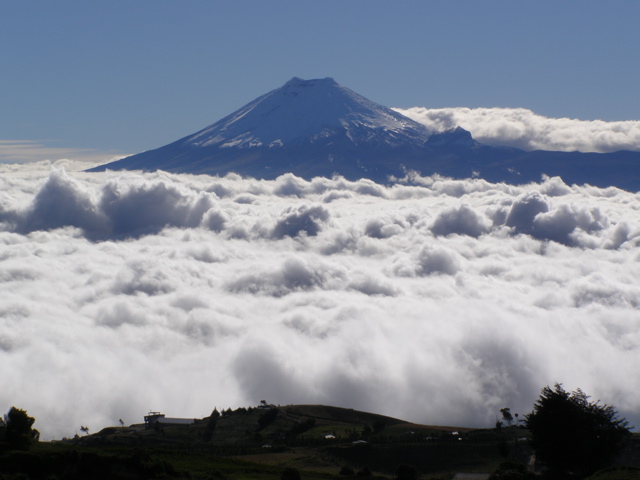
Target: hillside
(318, 441)
(269, 424)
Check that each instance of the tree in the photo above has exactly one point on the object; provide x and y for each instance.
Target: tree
(506, 415)
(572, 436)
(19, 432)
(267, 418)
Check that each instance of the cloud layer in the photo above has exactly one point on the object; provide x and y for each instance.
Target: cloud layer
(522, 128)
(440, 302)
(29, 151)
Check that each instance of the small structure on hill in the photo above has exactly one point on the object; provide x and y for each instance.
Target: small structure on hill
(471, 476)
(157, 419)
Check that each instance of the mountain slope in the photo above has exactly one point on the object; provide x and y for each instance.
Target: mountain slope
(320, 128)
(307, 127)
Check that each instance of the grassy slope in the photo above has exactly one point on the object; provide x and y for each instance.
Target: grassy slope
(237, 449)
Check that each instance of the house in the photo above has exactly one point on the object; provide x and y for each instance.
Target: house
(157, 419)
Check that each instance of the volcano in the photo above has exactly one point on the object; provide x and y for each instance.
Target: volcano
(320, 128)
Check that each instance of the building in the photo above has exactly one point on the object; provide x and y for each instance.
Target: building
(157, 419)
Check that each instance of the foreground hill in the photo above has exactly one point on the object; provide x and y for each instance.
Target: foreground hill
(259, 443)
(270, 425)
(320, 128)
(317, 441)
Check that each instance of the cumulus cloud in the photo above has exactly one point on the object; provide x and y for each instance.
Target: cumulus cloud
(569, 224)
(524, 210)
(62, 202)
(123, 207)
(522, 128)
(462, 220)
(303, 219)
(437, 260)
(383, 227)
(438, 302)
(294, 274)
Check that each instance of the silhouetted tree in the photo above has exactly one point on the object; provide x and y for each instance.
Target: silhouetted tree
(267, 418)
(211, 425)
(506, 415)
(572, 436)
(19, 433)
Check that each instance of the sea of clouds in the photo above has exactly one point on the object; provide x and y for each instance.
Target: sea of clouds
(439, 302)
(524, 129)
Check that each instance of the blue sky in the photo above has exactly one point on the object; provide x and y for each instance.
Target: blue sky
(123, 77)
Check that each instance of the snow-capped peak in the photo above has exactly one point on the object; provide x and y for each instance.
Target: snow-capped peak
(310, 111)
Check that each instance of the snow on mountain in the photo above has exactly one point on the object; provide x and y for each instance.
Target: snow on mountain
(306, 127)
(319, 128)
(312, 111)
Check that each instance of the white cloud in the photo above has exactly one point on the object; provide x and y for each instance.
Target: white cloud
(437, 260)
(462, 220)
(439, 302)
(522, 128)
(304, 219)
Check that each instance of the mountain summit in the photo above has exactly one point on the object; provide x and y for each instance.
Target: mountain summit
(320, 128)
(306, 127)
(316, 112)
